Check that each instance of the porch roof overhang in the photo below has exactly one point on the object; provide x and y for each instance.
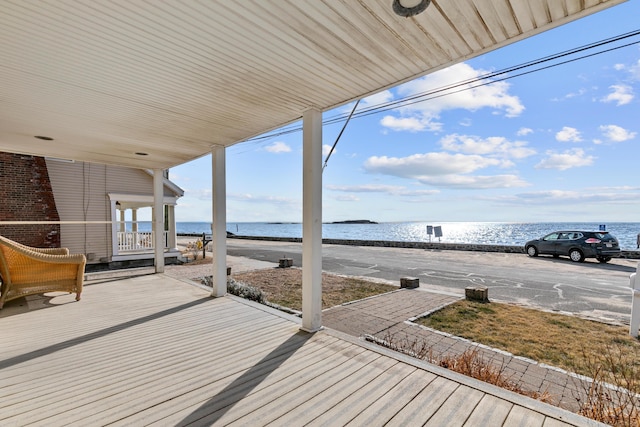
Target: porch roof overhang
(170, 80)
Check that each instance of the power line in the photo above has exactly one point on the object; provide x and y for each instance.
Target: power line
(483, 80)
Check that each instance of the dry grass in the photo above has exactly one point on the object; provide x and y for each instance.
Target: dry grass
(470, 363)
(551, 338)
(283, 286)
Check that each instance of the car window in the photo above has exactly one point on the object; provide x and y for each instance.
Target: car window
(552, 236)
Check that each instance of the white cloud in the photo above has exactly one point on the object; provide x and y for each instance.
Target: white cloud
(569, 134)
(621, 95)
(424, 115)
(616, 133)
(247, 197)
(429, 164)
(557, 197)
(475, 182)
(375, 99)
(524, 131)
(326, 149)
(368, 188)
(396, 190)
(443, 169)
(562, 161)
(635, 70)
(347, 198)
(411, 124)
(493, 145)
(570, 95)
(278, 147)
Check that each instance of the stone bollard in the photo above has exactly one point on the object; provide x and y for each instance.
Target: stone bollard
(285, 262)
(477, 293)
(409, 282)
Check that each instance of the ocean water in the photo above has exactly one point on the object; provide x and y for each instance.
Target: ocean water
(490, 233)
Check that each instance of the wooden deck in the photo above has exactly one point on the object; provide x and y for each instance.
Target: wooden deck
(155, 350)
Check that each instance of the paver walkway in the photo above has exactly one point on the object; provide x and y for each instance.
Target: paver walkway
(387, 317)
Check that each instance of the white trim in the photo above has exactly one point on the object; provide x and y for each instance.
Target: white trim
(130, 257)
(169, 184)
(141, 198)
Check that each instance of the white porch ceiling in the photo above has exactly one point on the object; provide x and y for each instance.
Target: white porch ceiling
(107, 79)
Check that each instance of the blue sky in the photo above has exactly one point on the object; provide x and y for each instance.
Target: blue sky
(560, 144)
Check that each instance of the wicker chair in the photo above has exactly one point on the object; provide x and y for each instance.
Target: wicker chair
(26, 271)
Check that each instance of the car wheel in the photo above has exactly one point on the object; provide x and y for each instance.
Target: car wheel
(604, 259)
(576, 255)
(532, 251)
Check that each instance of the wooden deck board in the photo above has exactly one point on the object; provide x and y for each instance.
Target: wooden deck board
(396, 398)
(416, 412)
(258, 395)
(495, 417)
(522, 417)
(196, 397)
(457, 408)
(155, 350)
(325, 401)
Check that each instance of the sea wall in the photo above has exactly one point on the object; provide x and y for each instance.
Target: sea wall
(418, 245)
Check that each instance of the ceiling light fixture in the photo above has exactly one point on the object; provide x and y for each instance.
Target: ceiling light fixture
(409, 8)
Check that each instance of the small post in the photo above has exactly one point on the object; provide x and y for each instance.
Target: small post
(477, 293)
(285, 262)
(409, 282)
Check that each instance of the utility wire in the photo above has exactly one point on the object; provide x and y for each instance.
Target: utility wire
(469, 83)
(340, 134)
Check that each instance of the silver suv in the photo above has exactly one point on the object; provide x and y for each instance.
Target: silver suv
(577, 245)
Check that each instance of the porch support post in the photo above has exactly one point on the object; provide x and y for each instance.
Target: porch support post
(312, 220)
(172, 232)
(219, 223)
(123, 226)
(134, 220)
(158, 223)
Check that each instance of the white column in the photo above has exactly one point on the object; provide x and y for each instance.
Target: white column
(123, 224)
(134, 220)
(312, 221)
(158, 223)
(115, 226)
(219, 223)
(172, 237)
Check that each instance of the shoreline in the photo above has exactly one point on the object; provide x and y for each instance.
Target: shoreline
(624, 254)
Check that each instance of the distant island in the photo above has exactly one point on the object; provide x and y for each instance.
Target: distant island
(355, 221)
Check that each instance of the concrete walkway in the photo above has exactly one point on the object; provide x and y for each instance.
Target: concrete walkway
(387, 317)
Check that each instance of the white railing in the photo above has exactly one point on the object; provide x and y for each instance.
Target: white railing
(137, 241)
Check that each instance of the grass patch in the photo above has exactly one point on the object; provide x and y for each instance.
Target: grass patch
(283, 286)
(551, 338)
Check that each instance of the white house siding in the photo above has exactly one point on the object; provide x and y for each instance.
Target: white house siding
(81, 194)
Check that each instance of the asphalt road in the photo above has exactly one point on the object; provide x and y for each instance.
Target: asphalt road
(589, 289)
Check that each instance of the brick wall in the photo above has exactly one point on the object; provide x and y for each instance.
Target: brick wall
(26, 195)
